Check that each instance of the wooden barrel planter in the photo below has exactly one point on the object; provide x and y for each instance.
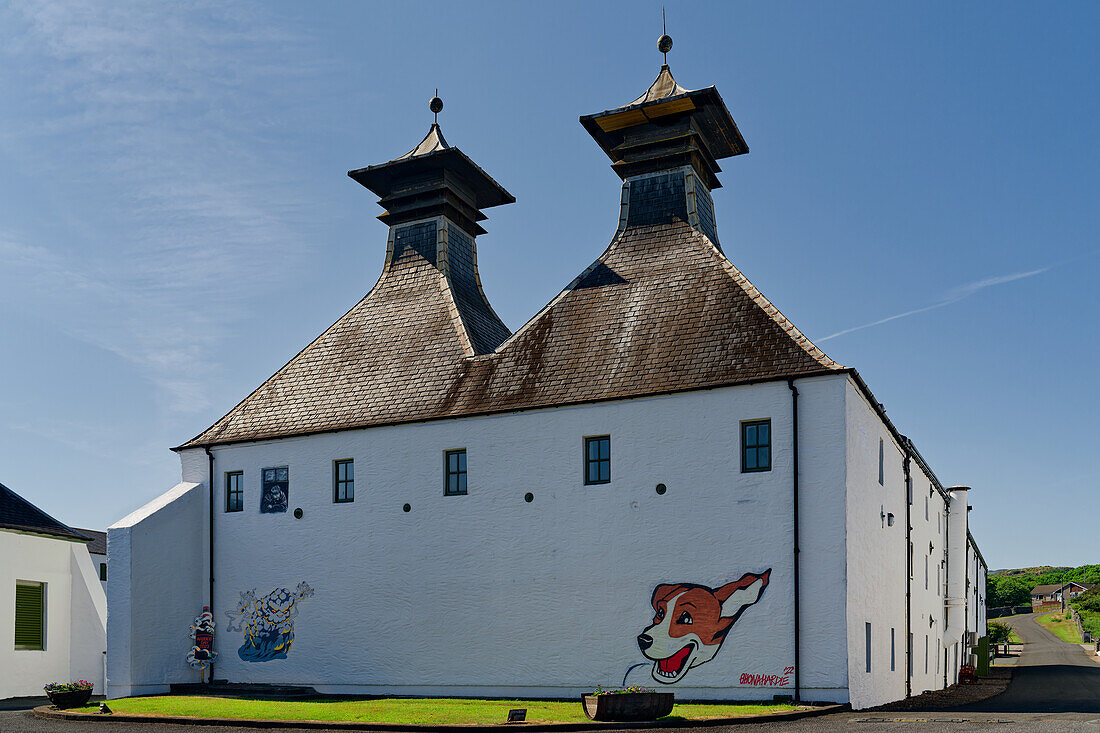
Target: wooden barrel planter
(628, 706)
(70, 698)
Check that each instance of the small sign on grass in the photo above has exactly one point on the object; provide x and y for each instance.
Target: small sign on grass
(517, 716)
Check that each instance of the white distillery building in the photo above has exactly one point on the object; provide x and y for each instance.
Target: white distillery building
(658, 478)
(52, 606)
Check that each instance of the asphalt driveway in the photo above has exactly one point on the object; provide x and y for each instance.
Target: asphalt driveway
(1052, 676)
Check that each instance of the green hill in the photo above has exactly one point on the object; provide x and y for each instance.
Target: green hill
(1012, 587)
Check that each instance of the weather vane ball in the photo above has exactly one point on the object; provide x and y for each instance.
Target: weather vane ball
(664, 43)
(436, 105)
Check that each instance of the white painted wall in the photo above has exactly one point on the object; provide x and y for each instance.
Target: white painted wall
(929, 546)
(488, 594)
(876, 556)
(75, 614)
(975, 606)
(155, 586)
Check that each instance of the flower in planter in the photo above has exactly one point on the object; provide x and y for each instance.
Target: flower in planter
(622, 691)
(78, 686)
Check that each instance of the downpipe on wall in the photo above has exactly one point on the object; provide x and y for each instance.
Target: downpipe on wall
(794, 506)
(210, 464)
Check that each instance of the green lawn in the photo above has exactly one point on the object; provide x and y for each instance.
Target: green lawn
(1060, 626)
(426, 711)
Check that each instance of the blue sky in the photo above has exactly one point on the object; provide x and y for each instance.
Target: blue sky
(176, 222)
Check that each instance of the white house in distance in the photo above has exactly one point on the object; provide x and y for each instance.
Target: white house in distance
(52, 605)
(657, 479)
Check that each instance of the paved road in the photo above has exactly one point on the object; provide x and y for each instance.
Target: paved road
(1052, 676)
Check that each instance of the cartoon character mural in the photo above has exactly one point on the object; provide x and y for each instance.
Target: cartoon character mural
(691, 622)
(275, 490)
(202, 632)
(267, 623)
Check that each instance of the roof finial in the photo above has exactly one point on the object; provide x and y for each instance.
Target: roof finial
(664, 43)
(436, 106)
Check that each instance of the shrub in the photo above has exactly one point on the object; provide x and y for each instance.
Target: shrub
(998, 632)
(1087, 601)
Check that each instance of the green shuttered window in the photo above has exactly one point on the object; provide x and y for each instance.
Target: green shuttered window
(30, 615)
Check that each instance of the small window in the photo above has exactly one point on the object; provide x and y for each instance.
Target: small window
(867, 646)
(454, 477)
(926, 653)
(926, 572)
(30, 615)
(926, 508)
(892, 659)
(343, 481)
(234, 491)
(103, 571)
(756, 446)
(597, 460)
(881, 463)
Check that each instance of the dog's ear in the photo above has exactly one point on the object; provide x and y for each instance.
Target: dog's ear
(735, 597)
(666, 591)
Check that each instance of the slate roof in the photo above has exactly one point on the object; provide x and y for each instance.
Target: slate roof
(98, 545)
(662, 310)
(1045, 590)
(19, 514)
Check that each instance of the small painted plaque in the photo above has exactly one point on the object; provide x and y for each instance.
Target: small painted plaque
(276, 490)
(517, 716)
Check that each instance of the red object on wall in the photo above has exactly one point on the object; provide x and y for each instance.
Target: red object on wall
(966, 675)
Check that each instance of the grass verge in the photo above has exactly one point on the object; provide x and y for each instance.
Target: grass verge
(422, 711)
(1061, 626)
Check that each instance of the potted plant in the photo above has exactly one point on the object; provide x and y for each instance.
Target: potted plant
(628, 704)
(69, 694)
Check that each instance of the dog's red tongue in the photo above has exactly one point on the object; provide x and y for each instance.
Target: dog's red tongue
(672, 664)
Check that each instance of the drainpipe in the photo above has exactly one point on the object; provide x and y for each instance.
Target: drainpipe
(210, 462)
(909, 570)
(794, 506)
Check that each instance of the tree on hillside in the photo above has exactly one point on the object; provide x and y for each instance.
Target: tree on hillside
(1005, 590)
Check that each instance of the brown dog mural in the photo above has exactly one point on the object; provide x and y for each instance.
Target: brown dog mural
(691, 622)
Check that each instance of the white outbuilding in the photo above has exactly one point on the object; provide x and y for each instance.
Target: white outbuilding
(657, 480)
(52, 605)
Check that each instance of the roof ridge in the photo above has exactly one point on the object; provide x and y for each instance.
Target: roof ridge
(769, 308)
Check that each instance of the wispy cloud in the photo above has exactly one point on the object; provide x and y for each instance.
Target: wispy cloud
(952, 296)
(151, 125)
